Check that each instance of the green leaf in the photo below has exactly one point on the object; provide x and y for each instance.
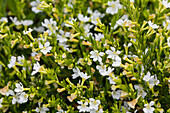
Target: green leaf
(168, 65)
(3, 4)
(123, 110)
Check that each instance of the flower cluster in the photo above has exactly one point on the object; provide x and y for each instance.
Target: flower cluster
(92, 108)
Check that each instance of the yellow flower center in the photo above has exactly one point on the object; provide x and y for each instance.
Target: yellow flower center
(25, 96)
(113, 6)
(83, 105)
(114, 53)
(148, 107)
(63, 36)
(95, 102)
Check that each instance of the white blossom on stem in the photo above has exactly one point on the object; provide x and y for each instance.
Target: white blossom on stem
(29, 31)
(147, 77)
(76, 73)
(12, 62)
(148, 107)
(96, 55)
(27, 22)
(46, 48)
(83, 106)
(36, 68)
(84, 75)
(42, 109)
(165, 3)
(116, 94)
(152, 25)
(83, 18)
(114, 6)
(19, 88)
(1, 100)
(94, 104)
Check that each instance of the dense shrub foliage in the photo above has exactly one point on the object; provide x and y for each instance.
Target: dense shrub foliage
(97, 56)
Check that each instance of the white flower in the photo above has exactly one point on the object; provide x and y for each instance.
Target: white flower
(140, 90)
(51, 25)
(42, 109)
(111, 80)
(39, 29)
(147, 77)
(62, 37)
(83, 106)
(20, 97)
(46, 48)
(36, 68)
(124, 17)
(27, 22)
(96, 55)
(114, 6)
(64, 55)
(12, 62)
(69, 4)
(116, 61)
(76, 73)
(29, 31)
(15, 99)
(167, 22)
(116, 94)
(154, 81)
(3, 19)
(98, 36)
(168, 41)
(103, 71)
(96, 111)
(65, 46)
(61, 111)
(34, 5)
(20, 59)
(71, 21)
(24, 112)
(94, 104)
(10, 92)
(93, 111)
(87, 28)
(123, 23)
(82, 18)
(165, 3)
(15, 21)
(146, 50)
(84, 75)
(129, 44)
(153, 26)
(1, 100)
(119, 22)
(19, 87)
(100, 111)
(148, 107)
(112, 53)
(89, 10)
(94, 15)
(23, 98)
(33, 54)
(132, 1)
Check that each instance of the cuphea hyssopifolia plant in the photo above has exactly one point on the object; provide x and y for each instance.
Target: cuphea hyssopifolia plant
(80, 59)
